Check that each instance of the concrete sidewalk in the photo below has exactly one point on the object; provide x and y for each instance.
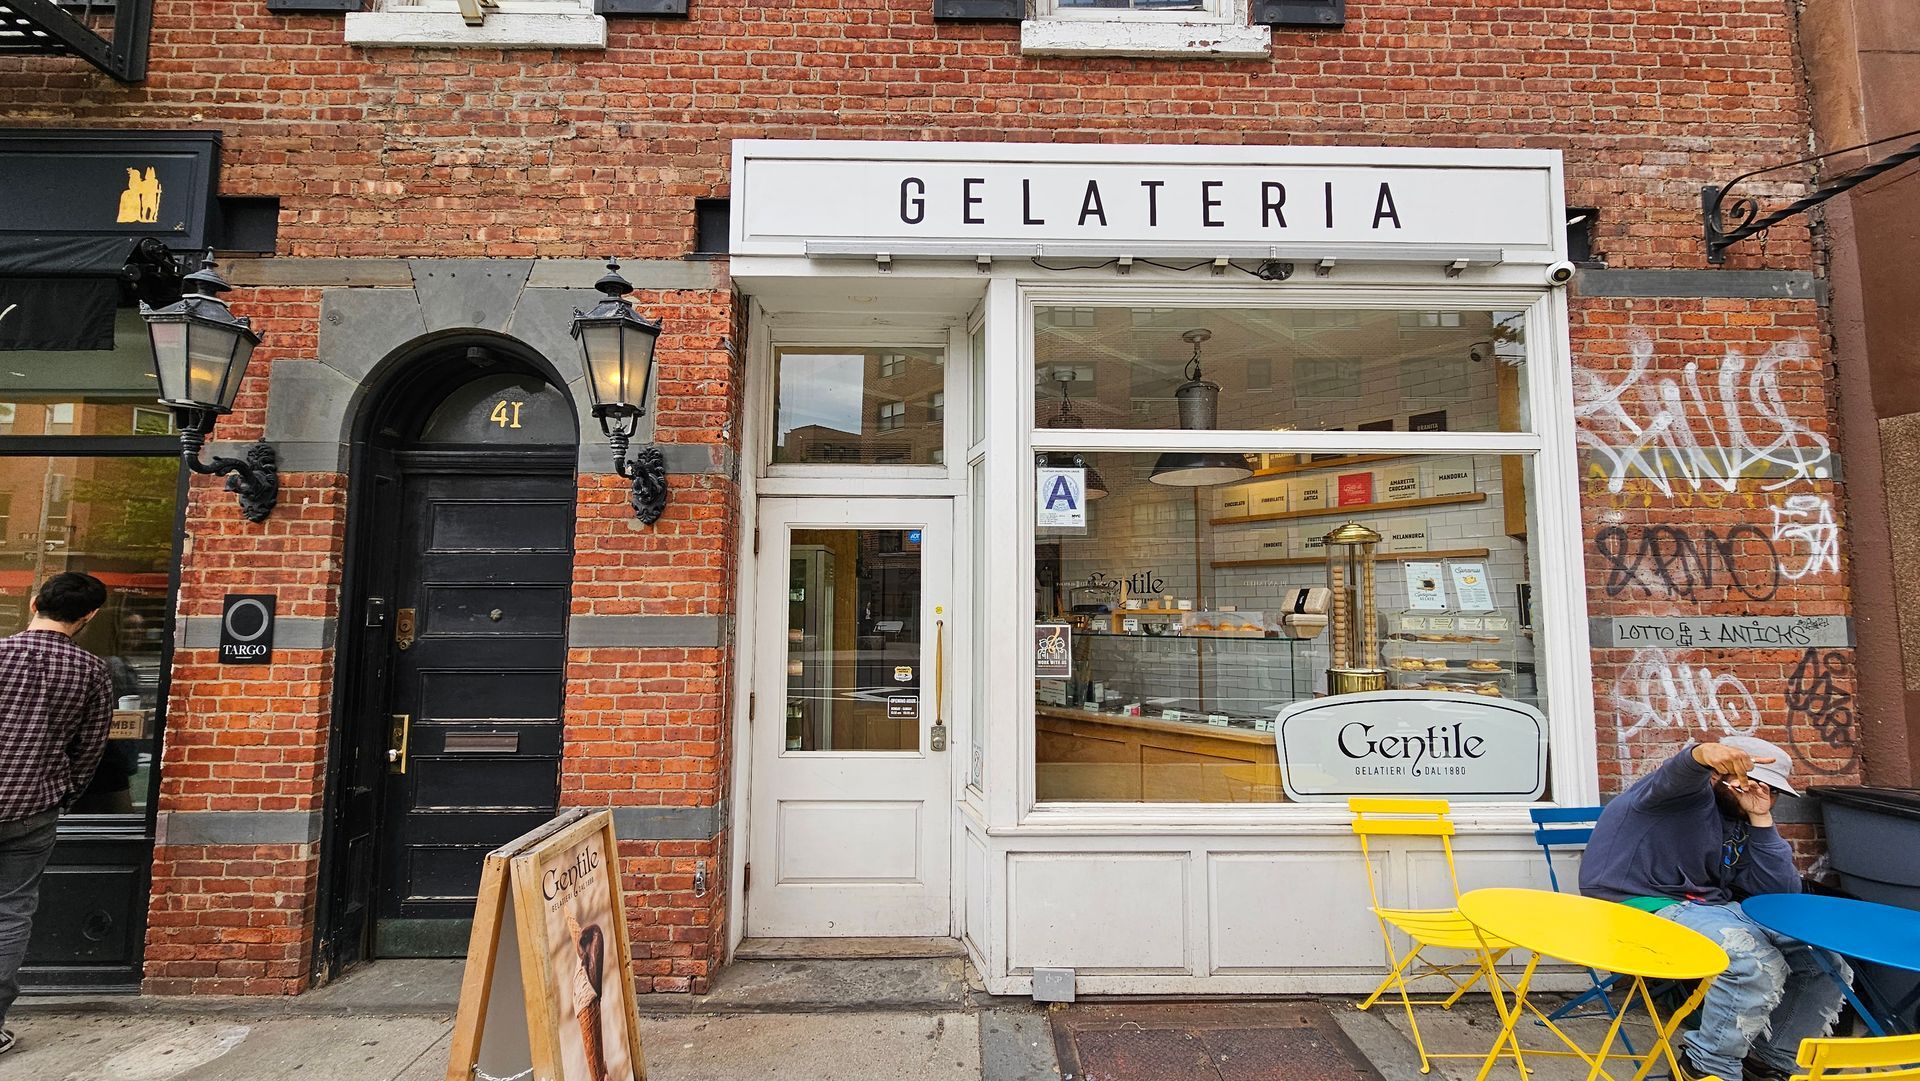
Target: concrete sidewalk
(790, 1020)
(911, 1020)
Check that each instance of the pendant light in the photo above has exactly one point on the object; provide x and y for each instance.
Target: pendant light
(1096, 485)
(1199, 402)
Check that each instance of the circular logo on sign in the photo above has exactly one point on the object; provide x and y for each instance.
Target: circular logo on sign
(233, 627)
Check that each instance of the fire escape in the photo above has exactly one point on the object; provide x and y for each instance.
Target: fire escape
(109, 34)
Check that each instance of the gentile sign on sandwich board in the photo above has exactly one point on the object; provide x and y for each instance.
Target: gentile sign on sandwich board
(547, 993)
(1461, 747)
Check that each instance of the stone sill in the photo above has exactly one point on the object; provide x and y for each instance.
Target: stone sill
(1118, 37)
(501, 31)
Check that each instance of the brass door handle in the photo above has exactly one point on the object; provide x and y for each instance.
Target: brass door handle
(938, 740)
(397, 736)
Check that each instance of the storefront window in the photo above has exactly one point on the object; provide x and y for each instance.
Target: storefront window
(106, 504)
(848, 406)
(112, 518)
(1282, 369)
(1195, 601)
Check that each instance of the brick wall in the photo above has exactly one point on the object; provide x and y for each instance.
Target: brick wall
(379, 153)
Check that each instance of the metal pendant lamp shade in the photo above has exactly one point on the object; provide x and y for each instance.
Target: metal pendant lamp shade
(1199, 403)
(1096, 484)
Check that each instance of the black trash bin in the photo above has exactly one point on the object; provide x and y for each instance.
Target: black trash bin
(1873, 844)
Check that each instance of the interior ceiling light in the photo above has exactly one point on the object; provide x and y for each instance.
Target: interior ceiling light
(1096, 485)
(1199, 402)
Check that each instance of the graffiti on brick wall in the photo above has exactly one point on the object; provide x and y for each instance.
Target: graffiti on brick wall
(1658, 692)
(1820, 721)
(1701, 429)
(1684, 562)
(1805, 522)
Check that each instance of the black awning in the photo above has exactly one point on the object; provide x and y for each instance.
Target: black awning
(65, 255)
(57, 314)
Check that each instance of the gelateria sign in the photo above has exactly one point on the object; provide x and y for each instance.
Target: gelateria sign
(958, 199)
(1460, 747)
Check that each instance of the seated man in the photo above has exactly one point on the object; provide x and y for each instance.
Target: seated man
(1690, 841)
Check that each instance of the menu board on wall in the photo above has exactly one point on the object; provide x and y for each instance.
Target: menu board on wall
(1454, 479)
(1406, 535)
(1355, 489)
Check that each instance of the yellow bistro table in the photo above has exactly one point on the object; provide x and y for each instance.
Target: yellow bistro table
(1599, 935)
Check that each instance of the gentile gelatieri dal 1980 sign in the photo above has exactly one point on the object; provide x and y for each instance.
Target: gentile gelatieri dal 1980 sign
(795, 198)
(1412, 743)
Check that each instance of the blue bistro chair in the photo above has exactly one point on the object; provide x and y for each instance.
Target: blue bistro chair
(1569, 827)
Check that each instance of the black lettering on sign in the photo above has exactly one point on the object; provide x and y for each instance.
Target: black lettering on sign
(968, 200)
(1273, 196)
(1209, 204)
(1090, 204)
(1153, 199)
(913, 200)
(1026, 205)
(1383, 208)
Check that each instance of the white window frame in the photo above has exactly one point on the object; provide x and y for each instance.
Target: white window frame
(796, 478)
(1222, 31)
(513, 24)
(1558, 571)
(1212, 11)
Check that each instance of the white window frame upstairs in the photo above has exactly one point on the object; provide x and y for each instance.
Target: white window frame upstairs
(511, 24)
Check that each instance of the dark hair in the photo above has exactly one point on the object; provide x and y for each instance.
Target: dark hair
(69, 597)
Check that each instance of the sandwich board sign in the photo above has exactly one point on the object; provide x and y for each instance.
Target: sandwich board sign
(547, 994)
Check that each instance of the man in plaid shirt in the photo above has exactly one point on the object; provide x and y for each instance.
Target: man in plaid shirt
(56, 705)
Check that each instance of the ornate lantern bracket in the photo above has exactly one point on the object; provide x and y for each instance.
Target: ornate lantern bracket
(1728, 219)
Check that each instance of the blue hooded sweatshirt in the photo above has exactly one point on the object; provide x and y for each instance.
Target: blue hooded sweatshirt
(1666, 837)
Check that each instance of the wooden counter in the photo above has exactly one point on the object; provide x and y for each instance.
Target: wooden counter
(1099, 756)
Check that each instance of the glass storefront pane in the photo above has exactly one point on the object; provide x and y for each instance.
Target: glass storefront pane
(1194, 614)
(1282, 369)
(852, 406)
(977, 376)
(84, 391)
(853, 640)
(112, 518)
(977, 513)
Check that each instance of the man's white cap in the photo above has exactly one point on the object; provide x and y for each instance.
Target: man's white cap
(1774, 773)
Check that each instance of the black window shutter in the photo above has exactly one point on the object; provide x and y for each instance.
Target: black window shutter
(981, 10)
(639, 7)
(1317, 14)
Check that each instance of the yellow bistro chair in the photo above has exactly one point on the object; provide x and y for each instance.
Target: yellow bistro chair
(1876, 1057)
(1429, 928)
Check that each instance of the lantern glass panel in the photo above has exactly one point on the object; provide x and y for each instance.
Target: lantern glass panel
(210, 356)
(170, 358)
(606, 365)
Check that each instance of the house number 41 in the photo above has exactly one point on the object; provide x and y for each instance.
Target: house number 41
(506, 414)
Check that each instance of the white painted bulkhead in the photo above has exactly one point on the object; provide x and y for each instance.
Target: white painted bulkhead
(1144, 898)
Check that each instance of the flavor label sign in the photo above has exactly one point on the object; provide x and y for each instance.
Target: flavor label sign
(1412, 743)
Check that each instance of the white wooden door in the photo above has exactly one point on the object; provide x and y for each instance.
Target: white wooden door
(852, 776)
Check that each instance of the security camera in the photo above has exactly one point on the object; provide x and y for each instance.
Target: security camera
(1560, 273)
(1480, 351)
(1274, 270)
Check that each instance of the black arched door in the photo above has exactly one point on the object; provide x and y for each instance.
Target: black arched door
(461, 602)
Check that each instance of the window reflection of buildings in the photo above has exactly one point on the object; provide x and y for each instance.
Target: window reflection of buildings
(901, 394)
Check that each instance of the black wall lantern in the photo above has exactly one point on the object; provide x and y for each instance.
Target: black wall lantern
(200, 354)
(616, 344)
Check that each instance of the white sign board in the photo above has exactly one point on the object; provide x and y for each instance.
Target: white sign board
(1459, 747)
(1060, 497)
(839, 197)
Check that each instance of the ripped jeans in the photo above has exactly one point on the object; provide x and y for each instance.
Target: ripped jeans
(1772, 995)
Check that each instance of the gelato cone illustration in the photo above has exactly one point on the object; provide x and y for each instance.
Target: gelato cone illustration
(589, 970)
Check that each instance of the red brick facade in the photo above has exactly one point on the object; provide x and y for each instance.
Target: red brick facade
(380, 154)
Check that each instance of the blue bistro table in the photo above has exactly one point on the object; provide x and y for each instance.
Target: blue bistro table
(1859, 930)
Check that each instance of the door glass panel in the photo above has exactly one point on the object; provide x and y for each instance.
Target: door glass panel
(853, 640)
(112, 518)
